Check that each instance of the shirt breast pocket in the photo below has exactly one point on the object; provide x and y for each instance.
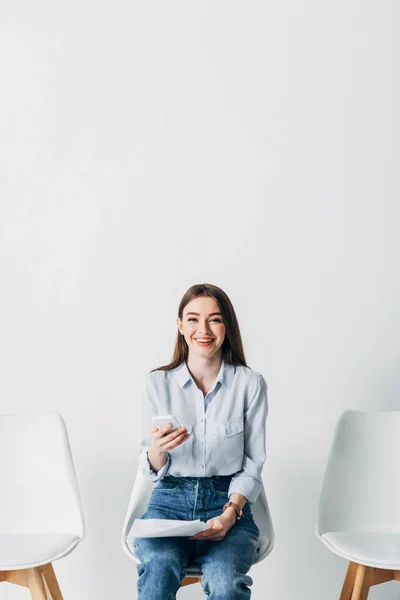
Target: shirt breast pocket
(228, 440)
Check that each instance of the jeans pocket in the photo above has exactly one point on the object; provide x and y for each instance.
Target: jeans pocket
(221, 487)
(167, 484)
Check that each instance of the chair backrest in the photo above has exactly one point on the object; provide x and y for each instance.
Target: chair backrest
(140, 496)
(141, 492)
(262, 518)
(361, 486)
(39, 491)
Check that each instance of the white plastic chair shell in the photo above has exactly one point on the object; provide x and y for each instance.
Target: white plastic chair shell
(141, 492)
(41, 516)
(359, 508)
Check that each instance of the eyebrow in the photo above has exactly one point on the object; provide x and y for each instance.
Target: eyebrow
(198, 314)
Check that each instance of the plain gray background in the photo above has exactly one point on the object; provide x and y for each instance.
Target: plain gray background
(149, 146)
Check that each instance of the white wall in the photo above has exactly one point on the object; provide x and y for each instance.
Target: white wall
(148, 146)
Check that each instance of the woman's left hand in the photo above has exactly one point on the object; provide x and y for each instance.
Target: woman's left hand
(219, 527)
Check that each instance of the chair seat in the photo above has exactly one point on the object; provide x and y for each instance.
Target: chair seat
(264, 547)
(26, 550)
(380, 550)
(141, 493)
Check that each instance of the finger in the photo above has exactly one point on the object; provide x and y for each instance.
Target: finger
(205, 535)
(199, 536)
(179, 438)
(215, 530)
(165, 428)
(160, 432)
(175, 442)
(212, 532)
(218, 536)
(174, 435)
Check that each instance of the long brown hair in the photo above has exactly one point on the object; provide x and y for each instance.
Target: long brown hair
(232, 347)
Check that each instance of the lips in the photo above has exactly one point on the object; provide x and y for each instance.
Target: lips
(205, 343)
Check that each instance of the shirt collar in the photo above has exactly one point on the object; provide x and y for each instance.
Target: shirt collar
(225, 374)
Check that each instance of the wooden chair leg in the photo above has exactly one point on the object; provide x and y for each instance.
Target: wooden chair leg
(48, 593)
(18, 576)
(189, 580)
(36, 584)
(368, 581)
(349, 580)
(51, 581)
(41, 581)
(362, 583)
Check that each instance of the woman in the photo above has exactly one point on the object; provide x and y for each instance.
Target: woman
(210, 468)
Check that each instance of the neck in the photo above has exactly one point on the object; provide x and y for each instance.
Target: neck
(204, 370)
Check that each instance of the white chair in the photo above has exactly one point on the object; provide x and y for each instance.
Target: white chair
(359, 508)
(141, 492)
(40, 511)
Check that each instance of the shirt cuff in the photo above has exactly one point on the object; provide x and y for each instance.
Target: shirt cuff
(245, 485)
(144, 464)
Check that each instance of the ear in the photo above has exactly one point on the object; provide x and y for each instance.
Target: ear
(179, 324)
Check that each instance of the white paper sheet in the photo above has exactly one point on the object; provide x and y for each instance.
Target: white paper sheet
(165, 528)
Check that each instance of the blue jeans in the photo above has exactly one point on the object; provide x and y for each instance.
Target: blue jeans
(223, 563)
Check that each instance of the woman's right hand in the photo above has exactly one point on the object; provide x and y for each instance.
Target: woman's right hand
(162, 442)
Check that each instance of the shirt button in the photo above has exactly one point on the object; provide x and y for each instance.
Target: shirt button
(201, 420)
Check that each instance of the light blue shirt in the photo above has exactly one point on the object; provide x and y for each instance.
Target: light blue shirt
(227, 426)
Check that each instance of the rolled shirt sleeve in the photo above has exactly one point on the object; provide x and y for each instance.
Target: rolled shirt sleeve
(146, 412)
(247, 481)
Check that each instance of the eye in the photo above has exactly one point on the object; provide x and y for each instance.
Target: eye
(194, 319)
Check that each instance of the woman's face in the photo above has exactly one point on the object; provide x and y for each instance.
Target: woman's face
(202, 320)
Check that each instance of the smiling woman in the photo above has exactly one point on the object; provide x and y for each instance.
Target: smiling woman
(210, 467)
(204, 329)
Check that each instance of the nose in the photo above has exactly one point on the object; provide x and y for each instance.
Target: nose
(204, 329)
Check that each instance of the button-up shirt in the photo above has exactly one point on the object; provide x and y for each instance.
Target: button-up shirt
(227, 426)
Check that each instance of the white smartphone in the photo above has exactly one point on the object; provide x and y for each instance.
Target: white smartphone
(161, 421)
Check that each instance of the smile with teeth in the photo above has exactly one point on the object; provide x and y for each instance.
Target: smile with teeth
(204, 342)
